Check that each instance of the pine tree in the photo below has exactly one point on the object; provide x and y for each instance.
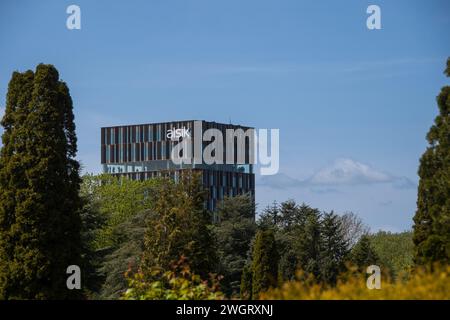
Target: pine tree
(288, 215)
(432, 218)
(334, 248)
(290, 219)
(39, 186)
(309, 241)
(363, 254)
(264, 262)
(269, 218)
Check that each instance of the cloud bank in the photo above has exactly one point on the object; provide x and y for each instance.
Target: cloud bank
(342, 172)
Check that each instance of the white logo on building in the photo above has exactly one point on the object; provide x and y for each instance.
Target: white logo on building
(176, 134)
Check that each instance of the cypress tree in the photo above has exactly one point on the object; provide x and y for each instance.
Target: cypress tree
(264, 262)
(246, 283)
(39, 186)
(432, 218)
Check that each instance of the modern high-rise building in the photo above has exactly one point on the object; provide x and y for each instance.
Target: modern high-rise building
(145, 151)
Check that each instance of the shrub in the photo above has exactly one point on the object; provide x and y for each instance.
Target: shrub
(177, 284)
(423, 284)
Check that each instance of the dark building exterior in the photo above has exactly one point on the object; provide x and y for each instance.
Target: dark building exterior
(144, 151)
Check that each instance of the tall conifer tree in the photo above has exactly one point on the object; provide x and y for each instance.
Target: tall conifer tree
(39, 188)
(363, 254)
(264, 263)
(309, 242)
(432, 219)
(334, 248)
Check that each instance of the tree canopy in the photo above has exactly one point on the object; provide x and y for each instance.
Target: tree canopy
(39, 188)
(432, 218)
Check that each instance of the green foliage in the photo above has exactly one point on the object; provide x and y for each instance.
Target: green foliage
(125, 256)
(181, 227)
(394, 250)
(179, 283)
(233, 232)
(246, 283)
(264, 262)
(432, 218)
(334, 248)
(447, 69)
(91, 223)
(118, 199)
(363, 254)
(269, 217)
(39, 184)
(316, 243)
(118, 209)
(309, 241)
(137, 215)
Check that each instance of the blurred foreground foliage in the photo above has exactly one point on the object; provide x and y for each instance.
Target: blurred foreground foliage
(423, 284)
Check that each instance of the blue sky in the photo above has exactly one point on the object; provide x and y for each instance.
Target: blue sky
(352, 105)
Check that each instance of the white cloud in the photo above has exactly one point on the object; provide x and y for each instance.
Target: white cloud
(348, 172)
(342, 172)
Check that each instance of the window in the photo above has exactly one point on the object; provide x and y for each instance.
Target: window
(107, 153)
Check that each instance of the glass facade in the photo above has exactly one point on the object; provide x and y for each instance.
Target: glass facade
(143, 152)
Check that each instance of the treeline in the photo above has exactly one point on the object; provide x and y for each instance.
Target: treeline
(294, 238)
(144, 227)
(142, 234)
